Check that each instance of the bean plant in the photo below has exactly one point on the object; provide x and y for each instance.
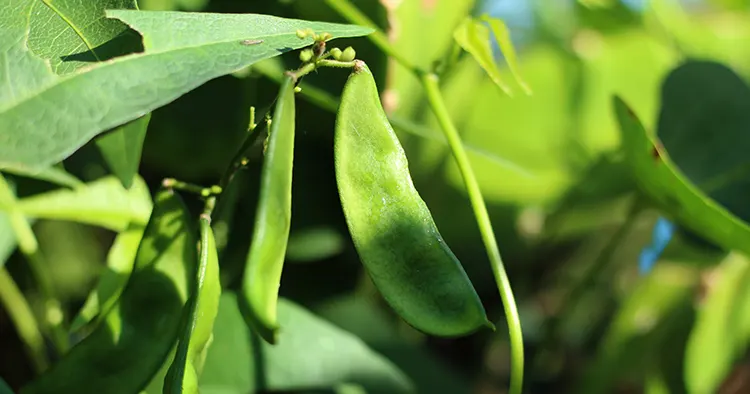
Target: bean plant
(313, 196)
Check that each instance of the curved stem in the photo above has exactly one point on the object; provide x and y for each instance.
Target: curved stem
(23, 318)
(27, 243)
(432, 88)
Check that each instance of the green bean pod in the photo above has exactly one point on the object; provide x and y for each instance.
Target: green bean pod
(391, 226)
(265, 260)
(194, 340)
(133, 340)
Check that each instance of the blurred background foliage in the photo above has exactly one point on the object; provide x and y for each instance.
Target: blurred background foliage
(550, 169)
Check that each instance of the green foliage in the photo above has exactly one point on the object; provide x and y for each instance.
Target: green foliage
(306, 257)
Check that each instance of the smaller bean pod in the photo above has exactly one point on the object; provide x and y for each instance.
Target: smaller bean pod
(265, 260)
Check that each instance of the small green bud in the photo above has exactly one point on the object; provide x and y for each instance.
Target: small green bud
(348, 55)
(306, 55)
(325, 37)
(297, 89)
(336, 53)
(301, 34)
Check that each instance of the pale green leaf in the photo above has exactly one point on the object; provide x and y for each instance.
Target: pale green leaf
(45, 118)
(474, 37)
(104, 202)
(714, 345)
(49, 174)
(502, 35)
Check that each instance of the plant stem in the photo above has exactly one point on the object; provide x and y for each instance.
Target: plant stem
(354, 15)
(23, 318)
(54, 315)
(431, 85)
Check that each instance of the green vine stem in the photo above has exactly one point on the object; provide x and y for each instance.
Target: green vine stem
(54, 315)
(432, 88)
(23, 318)
(430, 83)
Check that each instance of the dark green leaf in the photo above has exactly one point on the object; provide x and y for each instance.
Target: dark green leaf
(311, 353)
(122, 147)
(4, 388)
(44, 118)
(704, 125)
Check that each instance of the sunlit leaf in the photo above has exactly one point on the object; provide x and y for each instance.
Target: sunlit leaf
(104, 202)
(502, 35)
(718, 338)
(474, 37)
(45, 118)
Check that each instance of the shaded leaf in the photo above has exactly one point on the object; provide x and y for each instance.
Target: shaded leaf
(659, 178)
(314, 244)
(103, 202)
(703, 125)
(43, 117)
(122, 148)
(4, 388)
(311, 353)
(112, 281)
(652, 310)
(474, 37)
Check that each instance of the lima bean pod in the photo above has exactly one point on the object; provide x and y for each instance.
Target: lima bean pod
(133, 340)
(265, 260)
(392, 228)
(183, 374)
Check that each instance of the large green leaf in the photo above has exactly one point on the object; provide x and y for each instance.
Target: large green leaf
(104, 202)
(704, 124)
(310, 353)
(45, 118)
(659, 178)
(83, 28)
(719, 336)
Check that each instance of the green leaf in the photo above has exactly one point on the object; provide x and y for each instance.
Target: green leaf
(474, 37)
(659, 178)
(50, 174)
(122, 148)
(45, 118)
(112, 281)
(502, 35)
(103, 202)
(703, 124)
(4, 388)
(718, 337)
(127, 349)
(314, 244)
(311, 353)
(73, 34)
(653, 308)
